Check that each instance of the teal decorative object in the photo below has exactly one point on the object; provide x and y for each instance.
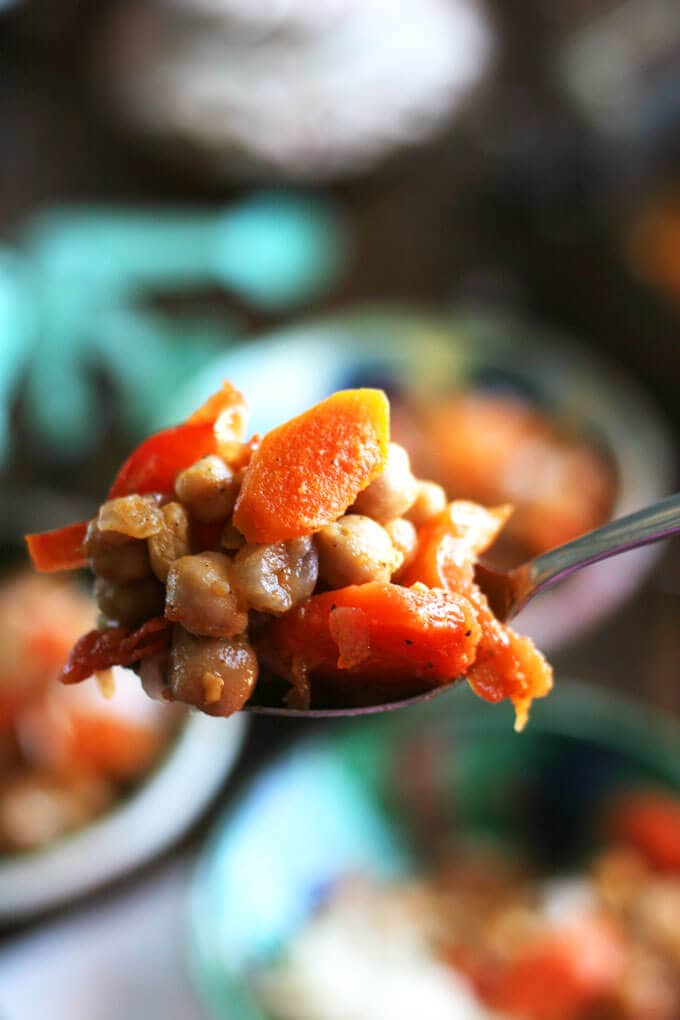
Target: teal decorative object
(15, 335)
(275, 250)
(72, 302)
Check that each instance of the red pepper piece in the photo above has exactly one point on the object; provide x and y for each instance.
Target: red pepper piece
(155, 464)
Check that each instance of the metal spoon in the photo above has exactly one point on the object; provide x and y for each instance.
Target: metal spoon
(509, 592)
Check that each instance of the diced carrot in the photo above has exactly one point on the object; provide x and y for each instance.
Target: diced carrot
(650, 822)
(374, 639)
(62, 549)
(564, 975)
(448, 544)
(307, 472)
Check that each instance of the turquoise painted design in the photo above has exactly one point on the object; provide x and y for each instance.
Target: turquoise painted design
(72, 302)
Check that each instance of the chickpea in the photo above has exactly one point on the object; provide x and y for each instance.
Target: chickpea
(392, 493)
(129, 605)
(171, 542)
(404, 539)
(430, 501)
(116, 557)
(217, 675)
(355, 550)
(133, 516)
(209, 488)
(200, 596)
(273, 578)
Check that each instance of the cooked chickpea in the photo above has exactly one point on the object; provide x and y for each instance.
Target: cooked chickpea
(214, 674)
(354, 550)
(273, 578)
(129, 605)
(208, 488)
(116, 557)
(200, 596)
(392, 493)
(171, 542)
(404, 539)
(430, 501)
(133, 516)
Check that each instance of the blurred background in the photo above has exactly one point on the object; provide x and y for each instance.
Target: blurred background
(475, 205)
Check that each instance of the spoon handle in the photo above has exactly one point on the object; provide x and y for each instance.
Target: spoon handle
(656, 522)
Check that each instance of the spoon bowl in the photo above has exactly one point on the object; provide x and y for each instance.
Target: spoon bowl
(351, 710)
(508, 593)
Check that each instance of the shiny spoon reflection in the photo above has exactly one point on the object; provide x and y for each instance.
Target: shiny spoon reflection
(334, 713)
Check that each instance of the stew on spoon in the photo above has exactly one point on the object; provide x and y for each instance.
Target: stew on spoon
(310, 563)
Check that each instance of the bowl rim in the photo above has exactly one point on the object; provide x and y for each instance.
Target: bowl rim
(136, 828)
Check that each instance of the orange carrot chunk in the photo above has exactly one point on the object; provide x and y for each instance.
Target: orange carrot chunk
(375, 639)
(62, 549)
(307, 472)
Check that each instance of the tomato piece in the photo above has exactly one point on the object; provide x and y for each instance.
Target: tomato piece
(375, 639)
(61, 549)
(563, 975)
(449, 544)
(506, 665)
(650, 822)
(101, 649)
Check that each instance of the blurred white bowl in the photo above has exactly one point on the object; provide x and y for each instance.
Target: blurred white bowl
(136, 829)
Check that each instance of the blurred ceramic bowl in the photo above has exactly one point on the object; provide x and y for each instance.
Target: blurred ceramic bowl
(408, 351)
(135, 830)
(376, 790)
(296, 90)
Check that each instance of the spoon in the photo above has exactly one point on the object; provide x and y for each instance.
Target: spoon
(509, 592)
